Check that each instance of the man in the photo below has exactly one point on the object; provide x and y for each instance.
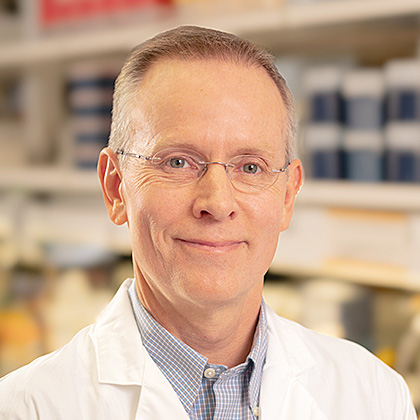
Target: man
(200, 166)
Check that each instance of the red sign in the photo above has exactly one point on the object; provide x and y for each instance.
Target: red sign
(63, 11)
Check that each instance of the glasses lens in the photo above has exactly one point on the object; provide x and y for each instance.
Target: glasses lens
(179, 166)
(251, 173)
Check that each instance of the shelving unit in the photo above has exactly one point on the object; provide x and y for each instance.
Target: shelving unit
(355, 195)
(357, 272)
(336, 194)
(284, 28)
(380, 29)
(250, 23)
(50, 180)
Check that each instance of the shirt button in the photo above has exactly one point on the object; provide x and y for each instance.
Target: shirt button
(256, 411)
(209, 373)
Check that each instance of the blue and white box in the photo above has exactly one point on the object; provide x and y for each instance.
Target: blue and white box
(364, 93)
(91, 86)
(364, 155)
(323, 143)
(403, 85)
(403, 151)
(322, 86)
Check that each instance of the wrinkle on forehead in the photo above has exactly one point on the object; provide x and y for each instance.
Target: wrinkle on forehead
(173, 93)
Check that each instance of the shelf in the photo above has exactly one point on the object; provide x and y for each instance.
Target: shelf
(62, 47)
(371, 196)
(49, 180)
(339, 194)
(363, 273)
(347, 11)
(387, 197)
(10, 26)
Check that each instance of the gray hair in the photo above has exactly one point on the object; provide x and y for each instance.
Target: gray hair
(190, 42)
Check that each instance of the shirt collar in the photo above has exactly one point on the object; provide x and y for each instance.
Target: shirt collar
(183, 366)
(258, 356)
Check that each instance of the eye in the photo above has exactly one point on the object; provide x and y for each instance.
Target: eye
(251, 168)
(178, 163)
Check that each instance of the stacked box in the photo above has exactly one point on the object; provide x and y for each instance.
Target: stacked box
(403, 125)
(90, 95)
(323, 134)
(363, 144)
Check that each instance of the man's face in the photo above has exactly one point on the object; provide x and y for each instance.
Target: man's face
(205, 242)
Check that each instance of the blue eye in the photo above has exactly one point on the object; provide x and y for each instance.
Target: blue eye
(177, 163)
(251, 168)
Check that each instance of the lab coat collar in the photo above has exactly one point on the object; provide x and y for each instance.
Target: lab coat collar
(286, 346)
(121, 355)
(119, 352)
(122, 360)
(283, 395)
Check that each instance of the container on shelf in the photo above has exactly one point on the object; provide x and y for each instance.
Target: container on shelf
(90, 97)
(323, 143)
(322, 85)
(364, 92)
(403, 151)
(363, 155)
(403, 84)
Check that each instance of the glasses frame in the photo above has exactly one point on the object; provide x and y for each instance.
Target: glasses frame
(204, 163)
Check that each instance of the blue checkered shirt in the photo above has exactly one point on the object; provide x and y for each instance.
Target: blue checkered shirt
(205, 390)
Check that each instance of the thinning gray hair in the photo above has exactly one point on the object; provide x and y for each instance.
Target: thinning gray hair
(186, 43)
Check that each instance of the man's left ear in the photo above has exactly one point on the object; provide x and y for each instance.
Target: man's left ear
(293, 186)
(111, 182)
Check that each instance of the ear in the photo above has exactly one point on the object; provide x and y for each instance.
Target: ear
(111, 182)
(293, 186)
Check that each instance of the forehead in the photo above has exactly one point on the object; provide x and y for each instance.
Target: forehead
(209, 103)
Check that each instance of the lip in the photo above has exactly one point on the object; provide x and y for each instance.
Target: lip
(212, 246)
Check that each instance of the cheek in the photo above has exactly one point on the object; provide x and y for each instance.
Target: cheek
(268, 216)
(154, 207)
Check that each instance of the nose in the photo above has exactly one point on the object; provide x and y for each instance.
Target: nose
(214, 194)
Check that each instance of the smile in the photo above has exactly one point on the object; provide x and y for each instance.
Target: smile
(212, 246)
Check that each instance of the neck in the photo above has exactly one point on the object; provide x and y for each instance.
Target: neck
(221, 332)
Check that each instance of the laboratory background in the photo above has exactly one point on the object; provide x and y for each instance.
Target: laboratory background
(348, 266)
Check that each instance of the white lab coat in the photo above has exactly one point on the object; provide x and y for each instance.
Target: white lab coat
(105, 373)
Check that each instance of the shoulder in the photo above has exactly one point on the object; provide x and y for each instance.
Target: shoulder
(330, 367)
(323, 349)
(42, 386)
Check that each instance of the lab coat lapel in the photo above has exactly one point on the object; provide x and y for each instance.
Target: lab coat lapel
(283, 397)
(158, 400)
(123, 361)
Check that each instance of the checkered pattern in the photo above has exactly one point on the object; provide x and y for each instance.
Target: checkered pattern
(231, 394)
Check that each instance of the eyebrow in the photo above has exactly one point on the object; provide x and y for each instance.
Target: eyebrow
(175, 143)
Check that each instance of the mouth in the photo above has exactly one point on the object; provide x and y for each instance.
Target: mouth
(211, 246)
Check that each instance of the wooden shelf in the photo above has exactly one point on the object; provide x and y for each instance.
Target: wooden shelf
(363, 273)
(340, 194)
(49, 180)
(61, 47)
(372, 196)
(387, 197)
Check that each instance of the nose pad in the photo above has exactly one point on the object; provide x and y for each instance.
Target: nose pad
(215, 196)
(206, 164)
(226, 165)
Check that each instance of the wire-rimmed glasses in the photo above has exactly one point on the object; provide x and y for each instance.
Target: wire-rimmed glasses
(247, 173)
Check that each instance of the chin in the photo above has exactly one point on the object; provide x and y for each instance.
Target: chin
(210, 290)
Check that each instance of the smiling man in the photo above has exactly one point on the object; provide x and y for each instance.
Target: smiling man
(200, 167)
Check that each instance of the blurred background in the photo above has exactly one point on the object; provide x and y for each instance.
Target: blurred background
(350, 263)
